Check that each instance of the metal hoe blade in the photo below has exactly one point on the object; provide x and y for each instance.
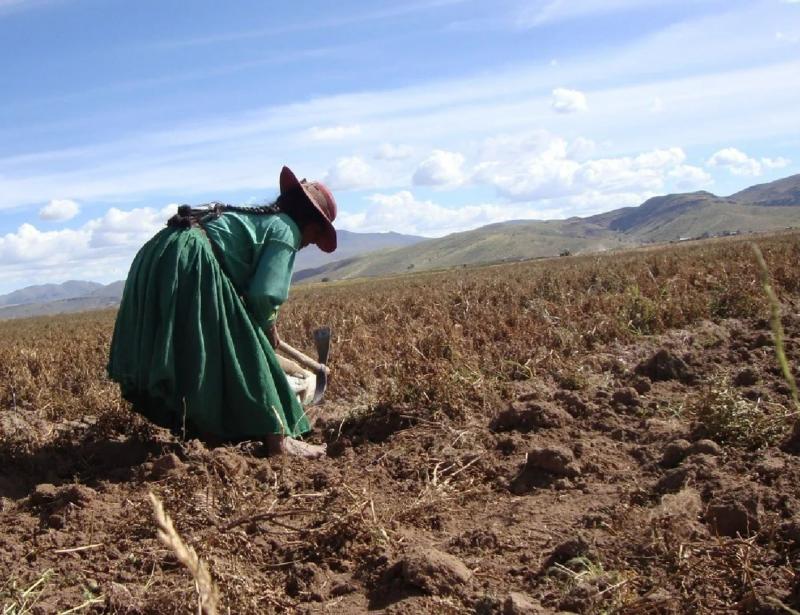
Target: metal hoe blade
(322, 340)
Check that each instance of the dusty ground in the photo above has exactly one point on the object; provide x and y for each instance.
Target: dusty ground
(583, 500)
(593, 491)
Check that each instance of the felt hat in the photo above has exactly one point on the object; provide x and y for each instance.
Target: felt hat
(321, 199)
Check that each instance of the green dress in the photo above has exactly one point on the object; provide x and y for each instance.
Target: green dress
(189, 350)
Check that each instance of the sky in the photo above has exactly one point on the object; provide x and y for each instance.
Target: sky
(424, 117)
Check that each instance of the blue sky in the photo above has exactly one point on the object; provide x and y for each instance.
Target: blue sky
(425, 117)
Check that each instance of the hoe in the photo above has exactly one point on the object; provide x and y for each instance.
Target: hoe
(310, 387)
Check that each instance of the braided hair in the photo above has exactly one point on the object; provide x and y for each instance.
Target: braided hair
(290, 203)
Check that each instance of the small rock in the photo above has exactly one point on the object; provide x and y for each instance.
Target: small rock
(705, 447)
(557, 460)
(572, 403)
(521, 604)
(627, 397)
(673, 480)
(664, 365)
(660, 430)
(533, 415)
(44, 493)
(77, 494)
(746, 377)
(167, 465)
(674, 453)
(700, 469)
(228, 463)
(434, 572)
(735, 514)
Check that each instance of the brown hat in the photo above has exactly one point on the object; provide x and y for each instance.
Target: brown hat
(321, 199)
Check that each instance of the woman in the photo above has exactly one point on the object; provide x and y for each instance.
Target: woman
(194, 340)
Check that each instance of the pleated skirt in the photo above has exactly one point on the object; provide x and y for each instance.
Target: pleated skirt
(186, 352)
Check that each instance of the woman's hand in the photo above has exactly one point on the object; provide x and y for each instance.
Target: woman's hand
(272, 336)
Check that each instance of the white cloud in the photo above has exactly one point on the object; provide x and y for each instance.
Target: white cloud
(59, 209)
(334, 133)
(403, 213)
(660, 158)
(736, 161)
(30, 245)
(776, 163)
(441, 168)
(739, 163)
(569, 101)
(449, 115)
(581, 148)
(686, 177)
(520, 144)
(119, 228)
(350, 173)
(545, 166)
(388, 151)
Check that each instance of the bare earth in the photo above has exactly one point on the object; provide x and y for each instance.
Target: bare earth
(595, 492)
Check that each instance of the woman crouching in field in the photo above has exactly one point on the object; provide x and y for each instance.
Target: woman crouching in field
(194, 340)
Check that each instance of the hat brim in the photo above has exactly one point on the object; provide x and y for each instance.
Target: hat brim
(288, 182)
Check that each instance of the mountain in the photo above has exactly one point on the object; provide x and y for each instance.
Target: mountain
(780, 193)
(676, 216)
(353, 244)
(75, 296)
(765, 207)
(672, 217)
(110, 291)
(49, 292)
(72, 296)
(505, 241)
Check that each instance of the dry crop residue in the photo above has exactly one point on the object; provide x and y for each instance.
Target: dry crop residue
(585, 434)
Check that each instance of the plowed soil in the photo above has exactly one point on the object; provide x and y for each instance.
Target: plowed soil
(659, 476)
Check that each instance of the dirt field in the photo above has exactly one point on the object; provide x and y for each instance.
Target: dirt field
(593, 435)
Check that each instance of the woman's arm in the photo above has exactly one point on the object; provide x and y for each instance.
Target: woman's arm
(269, 286)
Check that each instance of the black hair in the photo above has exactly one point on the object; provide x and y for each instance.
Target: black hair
(293, 203)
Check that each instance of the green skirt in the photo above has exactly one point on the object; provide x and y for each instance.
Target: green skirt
(186, 352)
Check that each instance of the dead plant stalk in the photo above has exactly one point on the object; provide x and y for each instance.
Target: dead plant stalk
(207, 592)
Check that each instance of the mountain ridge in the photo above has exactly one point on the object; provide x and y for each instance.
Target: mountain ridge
(672, 217)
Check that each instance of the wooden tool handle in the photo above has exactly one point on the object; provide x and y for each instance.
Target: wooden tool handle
(301, 358)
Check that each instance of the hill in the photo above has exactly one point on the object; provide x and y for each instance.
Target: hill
(765, 207)
(352, 244)
(696, 214)
(49, 292)
(672, 217)
(780, 193)
(506, 241)
(69, 297)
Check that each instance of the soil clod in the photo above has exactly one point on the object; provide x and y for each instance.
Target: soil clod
(663, 366)
(434, 572)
